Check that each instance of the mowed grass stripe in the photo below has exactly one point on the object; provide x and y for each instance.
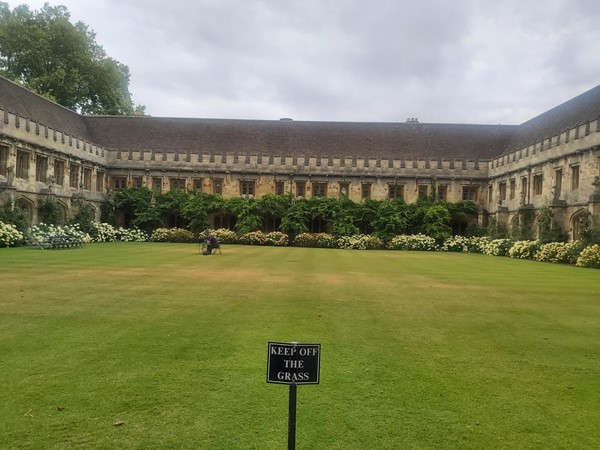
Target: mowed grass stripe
(419, 350)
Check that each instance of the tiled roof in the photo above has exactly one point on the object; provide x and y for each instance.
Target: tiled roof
(295, 138)
(298, 138)
(576, 111)
(18, 100)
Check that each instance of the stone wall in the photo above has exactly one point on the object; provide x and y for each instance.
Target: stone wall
(558, 172)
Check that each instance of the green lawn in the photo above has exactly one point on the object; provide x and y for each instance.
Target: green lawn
(419, 350)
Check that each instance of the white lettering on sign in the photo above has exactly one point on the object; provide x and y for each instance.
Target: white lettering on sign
(287, 376)
(283, 351)
(293, 363)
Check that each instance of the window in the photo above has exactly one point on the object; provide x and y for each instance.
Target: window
(471, 193)
(3, 160)
(279, 188)
(423, 190)
(442, 193)
(177, 184)
(396, 191)
(537, 184)
(99, 181)
(502, 190)
(74, 176)
(22, 164)
(87, 179)
(574, 177)
(365, 190)
(198, 184)
(524, 189)
(319, 189)
(41, 169)
(119, 182)
(59, 172)
(247, 188)
(558, 174)
(513, 189)
(300, 188)
(344, 190)
(218, 186)
(157, 184)
(136, 182)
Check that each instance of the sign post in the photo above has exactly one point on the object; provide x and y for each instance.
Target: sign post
(293, 363)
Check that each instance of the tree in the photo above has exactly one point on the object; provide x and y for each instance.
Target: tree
(46, 53)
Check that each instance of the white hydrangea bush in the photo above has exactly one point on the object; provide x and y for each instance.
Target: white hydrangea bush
(360, 242)
(418, 242)
(131, 235)
(457, 244)
(589, 257)
(254, 238)
(225, 236)
(277, 238)
(560, 252)
(524, 249)
(9, 235)
(103, 232)
(497, 247)
(47, 232)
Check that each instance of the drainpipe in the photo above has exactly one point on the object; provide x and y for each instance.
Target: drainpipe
(529, 184)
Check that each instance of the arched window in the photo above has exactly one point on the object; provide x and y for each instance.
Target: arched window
(26, 205)
(578, 223)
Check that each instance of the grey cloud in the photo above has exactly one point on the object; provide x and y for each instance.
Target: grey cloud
(457, 61)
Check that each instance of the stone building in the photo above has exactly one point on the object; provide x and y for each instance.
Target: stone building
(47, 151)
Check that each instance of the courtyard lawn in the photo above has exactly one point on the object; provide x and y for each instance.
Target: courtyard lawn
(152, 346)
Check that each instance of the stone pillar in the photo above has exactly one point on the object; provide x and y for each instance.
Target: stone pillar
(594, 205)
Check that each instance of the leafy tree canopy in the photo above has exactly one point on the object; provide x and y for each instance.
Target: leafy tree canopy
(46, 53)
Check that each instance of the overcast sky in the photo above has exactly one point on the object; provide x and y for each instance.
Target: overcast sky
(455, 61)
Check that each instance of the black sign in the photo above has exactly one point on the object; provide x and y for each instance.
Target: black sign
(289, 363)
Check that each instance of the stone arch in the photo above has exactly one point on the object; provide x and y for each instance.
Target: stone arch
(28, 206)
(94, 209)
(515, 222)
(576, 222)
(63, 211)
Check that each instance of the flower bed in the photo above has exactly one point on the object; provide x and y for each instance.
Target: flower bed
(9, 235)
(418, 242)
(320, 240)
(172, 235)
(360, 242)
(524, 249)
(589, 257)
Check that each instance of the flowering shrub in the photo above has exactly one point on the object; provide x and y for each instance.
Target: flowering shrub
(254, 238)
(44, 232)
(225, 236)
(559, 252)
(590, 257)
(497, 247)
(103, 232)
(321, 240)
(277, 238)
(456, 244)
(9, 235)
(131, 235)
(524, 249)
(413, 242)
(360, 242)
(477, 244)
(172, 235)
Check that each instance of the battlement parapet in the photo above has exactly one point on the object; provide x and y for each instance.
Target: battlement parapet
(27, 132)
